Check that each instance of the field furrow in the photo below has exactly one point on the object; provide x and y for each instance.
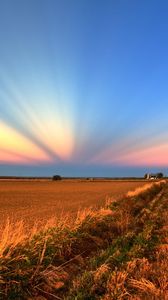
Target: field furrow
(117, 252)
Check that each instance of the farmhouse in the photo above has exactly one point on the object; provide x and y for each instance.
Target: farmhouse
(153, 176)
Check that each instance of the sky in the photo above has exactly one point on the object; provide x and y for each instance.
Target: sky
(83, 87)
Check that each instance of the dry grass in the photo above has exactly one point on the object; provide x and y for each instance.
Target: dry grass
(143, 188)
(116, 286)
(116, 252)
(121, 273)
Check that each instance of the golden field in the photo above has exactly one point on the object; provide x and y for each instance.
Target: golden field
(117, 252)
(39, 201)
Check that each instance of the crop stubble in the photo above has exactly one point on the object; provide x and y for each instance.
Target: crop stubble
(39, 201)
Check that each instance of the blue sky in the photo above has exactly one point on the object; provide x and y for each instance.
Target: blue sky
(83, 87)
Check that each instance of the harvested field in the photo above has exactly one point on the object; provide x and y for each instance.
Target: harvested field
(34, 201)
(119, 252)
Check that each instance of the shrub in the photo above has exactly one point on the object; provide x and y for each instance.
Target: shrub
(57, 177)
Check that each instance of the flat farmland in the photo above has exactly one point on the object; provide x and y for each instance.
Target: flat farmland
(39, 201)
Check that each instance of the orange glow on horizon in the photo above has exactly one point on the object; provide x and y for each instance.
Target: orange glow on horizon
(15, 147)
(57, 137)
(153, 156)
(12, 158)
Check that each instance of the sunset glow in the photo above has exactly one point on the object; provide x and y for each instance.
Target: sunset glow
(82, 96)
(16, 148)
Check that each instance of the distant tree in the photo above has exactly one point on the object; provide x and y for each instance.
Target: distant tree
(160, 175)
(57, 177)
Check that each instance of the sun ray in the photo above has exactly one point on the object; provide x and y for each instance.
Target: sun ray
(11, 141)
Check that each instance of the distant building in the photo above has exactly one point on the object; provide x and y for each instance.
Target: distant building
(153, 176)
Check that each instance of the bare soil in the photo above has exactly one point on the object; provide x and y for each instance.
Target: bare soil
(39, 201)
